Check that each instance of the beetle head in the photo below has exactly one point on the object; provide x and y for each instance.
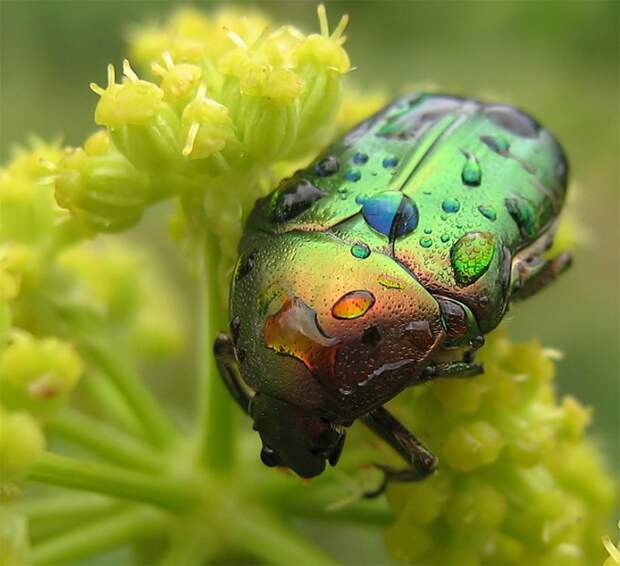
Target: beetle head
(293, 438)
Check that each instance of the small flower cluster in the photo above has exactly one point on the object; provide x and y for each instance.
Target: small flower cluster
(518, 482)
(56, 289)
(225, 99)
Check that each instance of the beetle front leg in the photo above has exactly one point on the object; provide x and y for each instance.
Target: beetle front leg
(421, 462)
(226, 360)
(462, 369)
(532, 274)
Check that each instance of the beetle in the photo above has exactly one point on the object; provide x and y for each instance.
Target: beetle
(382, 265)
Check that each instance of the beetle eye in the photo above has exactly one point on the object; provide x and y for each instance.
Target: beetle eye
(269, 457)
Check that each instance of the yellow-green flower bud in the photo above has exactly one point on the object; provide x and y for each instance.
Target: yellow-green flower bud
(179, 82)
(133, 102)
(325, 51)
(143, 127)
(37, 374)
(471, 446)
(21, 443)
(97, 143)
(517, 483)
(106, 192)
(207, 127)
(320, 61)
(27, 208)
(19, 267)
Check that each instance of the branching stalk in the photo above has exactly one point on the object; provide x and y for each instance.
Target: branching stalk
(157, 426)
(170, 494)
(97, 536)
(105, 441)
(217, 422)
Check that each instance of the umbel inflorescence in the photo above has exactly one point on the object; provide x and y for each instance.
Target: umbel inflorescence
(212, 111)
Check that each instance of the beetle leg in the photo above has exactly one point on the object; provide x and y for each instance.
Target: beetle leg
(228, 367)
(530, 275)
(465, 368)
(420, 461)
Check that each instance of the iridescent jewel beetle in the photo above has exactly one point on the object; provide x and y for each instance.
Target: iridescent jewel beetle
(381, 266)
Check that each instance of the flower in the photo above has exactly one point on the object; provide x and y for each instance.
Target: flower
(518, 482)
(37, 374)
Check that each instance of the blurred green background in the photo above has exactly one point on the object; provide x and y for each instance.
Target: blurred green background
(558, 60)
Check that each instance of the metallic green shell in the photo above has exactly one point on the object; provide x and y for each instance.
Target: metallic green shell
(434, 196)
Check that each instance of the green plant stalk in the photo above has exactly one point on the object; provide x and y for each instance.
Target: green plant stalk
(61, 505)
(105, 441)
(53, 469)
(97, 536)
(183, 550)
(217, 421)
(112, 404)
(265, 538)
(52, 515)
(157, 426)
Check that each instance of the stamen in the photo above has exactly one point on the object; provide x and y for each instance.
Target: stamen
(235, 38)
(168, 60)
(158, 70)
(111, 75)
(191, 139)
(129, 72)
(323, 23)
(49, 165)
(97, 89)
(201, 92)
(342, 25)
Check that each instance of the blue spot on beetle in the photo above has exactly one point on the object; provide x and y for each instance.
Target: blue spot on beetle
(390, 213)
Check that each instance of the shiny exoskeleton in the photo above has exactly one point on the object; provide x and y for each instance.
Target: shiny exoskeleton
(382, 265)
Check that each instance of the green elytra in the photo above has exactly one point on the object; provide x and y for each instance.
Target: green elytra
(382, 265)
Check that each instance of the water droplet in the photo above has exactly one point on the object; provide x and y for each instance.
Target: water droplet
(360, 250)
(450, 205)
(390, 213)
(360, 158)
(444, 238)
(471, 256)
(292, 198)
(390, 162)
(471, 175)
(498, 144)
(389, 282)
(294, 330)
(488, 212)
(428, 230)
(426, 242)
(523, 213)
(353, 175)
(353, 305)
(327, 166)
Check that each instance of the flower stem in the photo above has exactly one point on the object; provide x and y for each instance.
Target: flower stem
(274, 543)
(58, 470)
(51, 515)
(157, 426)
(99, 535)
(217, 422)
(105, 441)
(112, 404)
